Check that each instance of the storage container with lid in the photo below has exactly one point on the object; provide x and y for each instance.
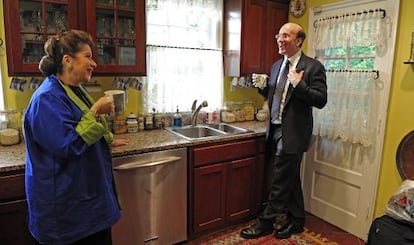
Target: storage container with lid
(132, 123)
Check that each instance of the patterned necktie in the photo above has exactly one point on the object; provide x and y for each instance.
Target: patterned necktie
(277, 97)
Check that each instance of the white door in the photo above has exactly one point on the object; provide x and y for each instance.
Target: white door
(340, 179)
(340, 190)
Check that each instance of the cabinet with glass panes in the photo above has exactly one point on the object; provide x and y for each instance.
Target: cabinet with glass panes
(117, 27)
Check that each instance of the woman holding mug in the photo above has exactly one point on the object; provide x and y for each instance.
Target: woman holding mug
(69, 181)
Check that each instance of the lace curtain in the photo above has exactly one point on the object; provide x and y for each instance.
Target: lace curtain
(352, 109)
(351, 113)
(184, 54)
(349, 30)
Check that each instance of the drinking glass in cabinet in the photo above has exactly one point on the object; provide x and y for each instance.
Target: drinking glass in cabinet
(127, 56)
(104, 25)
(32, 47)
(126, 28)
(56, 18)
(126, 3)
(106, 51)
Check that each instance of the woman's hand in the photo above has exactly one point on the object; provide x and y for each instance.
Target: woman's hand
(119, 142)
(103, 105)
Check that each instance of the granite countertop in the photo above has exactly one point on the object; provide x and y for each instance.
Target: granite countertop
(13, 157)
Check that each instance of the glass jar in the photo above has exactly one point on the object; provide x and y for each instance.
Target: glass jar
(11, 127)
(248, 110)
(10, 119)
(120, 127)
(148, 121)
(227, 113)
(238, 112)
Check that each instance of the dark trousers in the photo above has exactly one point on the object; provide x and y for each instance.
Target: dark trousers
(285, 194)
(103, 237)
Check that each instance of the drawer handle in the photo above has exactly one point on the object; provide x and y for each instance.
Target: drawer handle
(134, 165)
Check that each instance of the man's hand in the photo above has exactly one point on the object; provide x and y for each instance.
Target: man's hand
(294, 77)
(259, 80)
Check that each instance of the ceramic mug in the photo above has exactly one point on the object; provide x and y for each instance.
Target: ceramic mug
(259, 80)
(119, 100)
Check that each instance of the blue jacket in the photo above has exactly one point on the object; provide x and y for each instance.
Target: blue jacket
(69, 181)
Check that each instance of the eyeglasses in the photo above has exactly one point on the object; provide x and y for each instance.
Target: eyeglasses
(283, 35)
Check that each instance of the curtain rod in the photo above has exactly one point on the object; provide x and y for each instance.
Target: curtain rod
(384, 14)
(372, 71)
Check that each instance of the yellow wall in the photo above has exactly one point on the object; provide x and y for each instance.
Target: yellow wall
(400, 113)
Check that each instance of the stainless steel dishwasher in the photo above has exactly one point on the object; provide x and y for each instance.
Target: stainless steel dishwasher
(152, 189)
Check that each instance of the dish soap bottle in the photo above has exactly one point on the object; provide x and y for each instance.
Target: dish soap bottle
(177, 119)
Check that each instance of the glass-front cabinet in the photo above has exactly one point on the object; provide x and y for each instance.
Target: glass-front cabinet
(117, 27)
(28, 24)
(119, 30)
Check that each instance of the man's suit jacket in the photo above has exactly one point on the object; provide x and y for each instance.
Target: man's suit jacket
(297, 117)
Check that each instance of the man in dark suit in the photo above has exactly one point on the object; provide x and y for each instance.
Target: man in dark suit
(297, 83)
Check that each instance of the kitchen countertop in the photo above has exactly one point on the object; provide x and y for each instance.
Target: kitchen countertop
(13, 157)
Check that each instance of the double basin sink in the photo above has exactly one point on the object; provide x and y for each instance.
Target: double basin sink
(204, 131)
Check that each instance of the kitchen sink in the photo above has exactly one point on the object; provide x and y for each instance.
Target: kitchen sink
(195, 132)
(207, 131)
(229, 129)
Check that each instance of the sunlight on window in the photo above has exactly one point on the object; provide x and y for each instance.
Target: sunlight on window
(184, 54)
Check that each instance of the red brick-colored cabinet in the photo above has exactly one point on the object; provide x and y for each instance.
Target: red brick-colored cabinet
(223, 185)
(250, 27)
(13, 211)
(120, 34)
(117, 27)
(28, 24)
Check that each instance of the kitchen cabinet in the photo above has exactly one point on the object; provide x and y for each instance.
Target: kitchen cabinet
(13, 210)
(117, 27)
(224, 186)
(27, 25)
(250, 27)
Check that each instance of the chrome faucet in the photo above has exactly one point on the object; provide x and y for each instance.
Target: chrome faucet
(194, 111)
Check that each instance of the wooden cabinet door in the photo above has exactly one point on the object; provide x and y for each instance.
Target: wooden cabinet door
(249, 35)
(253, 37)
(277, 15)
(241, 189)
(13, 225)
(209, 197)
(28, 24)
(118, 28)
(244, 29)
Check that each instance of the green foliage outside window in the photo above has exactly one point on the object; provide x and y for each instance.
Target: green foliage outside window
(354, 58)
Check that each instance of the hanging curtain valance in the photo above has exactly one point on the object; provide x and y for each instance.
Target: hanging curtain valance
(365, 28)
(374, 72)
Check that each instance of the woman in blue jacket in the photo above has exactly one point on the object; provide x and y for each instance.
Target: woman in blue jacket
(69, 181)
